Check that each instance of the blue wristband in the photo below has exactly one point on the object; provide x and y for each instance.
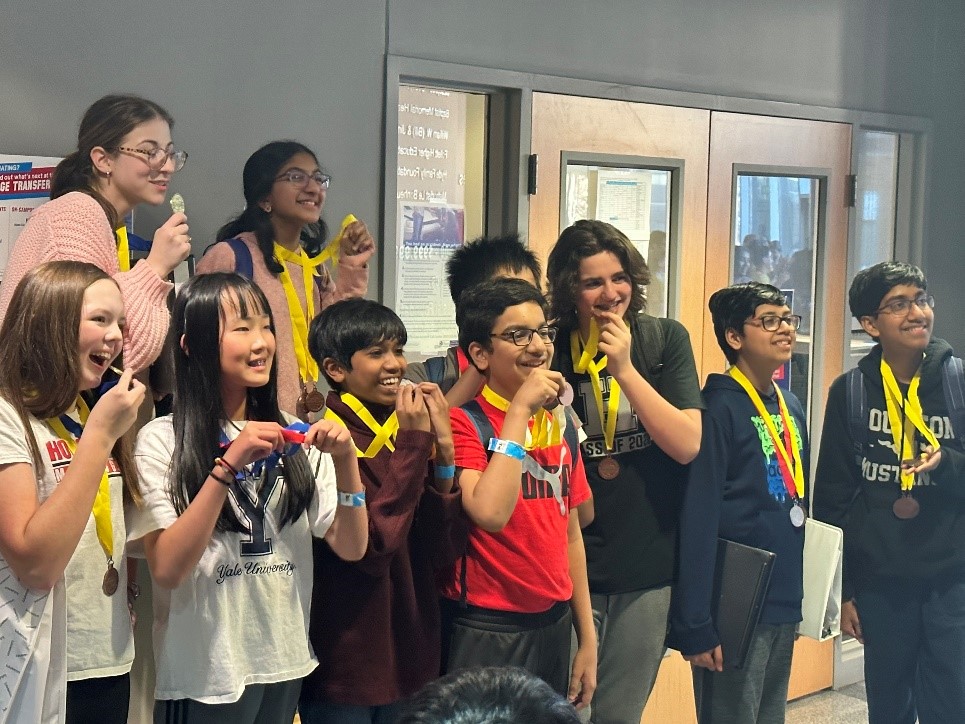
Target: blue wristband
(507, 447)
(351, 500)
(444, 472)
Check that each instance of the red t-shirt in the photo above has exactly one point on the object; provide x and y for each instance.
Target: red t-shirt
(525, 567)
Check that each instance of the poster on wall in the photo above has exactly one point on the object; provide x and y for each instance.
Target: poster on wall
(24, 185)
(431, 212)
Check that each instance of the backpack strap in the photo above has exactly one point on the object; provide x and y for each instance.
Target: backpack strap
(243, 263)
(953, 384)
(649, 345)
(435, 368)
(857, 403)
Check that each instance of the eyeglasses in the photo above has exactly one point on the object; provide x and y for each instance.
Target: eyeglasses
(300, 178)
(523, 337)
(157, 157)
(901, 307)
(772, 323)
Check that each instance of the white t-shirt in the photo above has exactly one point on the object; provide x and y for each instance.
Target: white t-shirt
(74, 632)
(241, 617)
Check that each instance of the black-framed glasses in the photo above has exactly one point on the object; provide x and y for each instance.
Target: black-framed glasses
(901, 307)
(297, 177)
(157, 157)
(523, 336)
(772, 322)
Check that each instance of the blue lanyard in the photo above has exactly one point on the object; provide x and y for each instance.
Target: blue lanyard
(266, 465)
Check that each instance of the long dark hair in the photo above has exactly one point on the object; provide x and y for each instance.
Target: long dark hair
(39, 359)
(261, 170)
(196, 323)
(104, 124)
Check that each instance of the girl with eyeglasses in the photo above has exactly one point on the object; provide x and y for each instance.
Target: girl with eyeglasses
(66, 471)
(636, 389)
(124, 157)
(279, 241)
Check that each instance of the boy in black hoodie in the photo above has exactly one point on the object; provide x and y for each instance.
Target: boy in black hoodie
(894, 480)
(747, 484)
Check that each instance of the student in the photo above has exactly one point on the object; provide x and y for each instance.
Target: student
(228, 514)
(375, 623)
(748, 485)
(491, 694)
(635, 387)
(894, 480)
(124, 157)
(516, 595)
(476, 262)
(67, 642)
(279, 240)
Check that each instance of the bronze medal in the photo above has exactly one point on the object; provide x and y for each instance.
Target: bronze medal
(111, 579)
(314, 401)
(608, 468)
(906, 507)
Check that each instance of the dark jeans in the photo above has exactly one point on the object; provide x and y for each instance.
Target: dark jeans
(914, 650)
(99, 701)
(259, 704)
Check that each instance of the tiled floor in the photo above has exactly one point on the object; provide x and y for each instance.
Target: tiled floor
(845, 706)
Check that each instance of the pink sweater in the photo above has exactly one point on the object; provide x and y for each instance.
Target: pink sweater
(74, 227)
(352, 281)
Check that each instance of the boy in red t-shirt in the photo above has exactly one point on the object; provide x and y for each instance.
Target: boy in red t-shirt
(521, 588)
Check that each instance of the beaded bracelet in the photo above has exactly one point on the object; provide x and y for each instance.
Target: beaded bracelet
(227, 466)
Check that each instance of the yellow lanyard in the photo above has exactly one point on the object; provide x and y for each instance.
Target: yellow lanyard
(779, 447)
(583, 362)
(331, 249)
(123, 248)
(307, 366)
(102, 501)
(384, 434)
(543, 430)
(905, 416)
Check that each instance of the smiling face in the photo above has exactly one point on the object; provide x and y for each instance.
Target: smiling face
(604, 286)
(292, 204)
(247, 348)
(902, 332)
(100, 337)
(506, 365)
(375, 375)
(131, 177)
(759, 348)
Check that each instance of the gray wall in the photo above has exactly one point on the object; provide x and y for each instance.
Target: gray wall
(238, 74)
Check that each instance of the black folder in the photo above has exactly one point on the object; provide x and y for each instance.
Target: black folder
(741, 578)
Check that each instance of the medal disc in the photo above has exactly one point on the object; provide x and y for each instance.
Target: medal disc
(797, 515)
(906, 507)
(608, 468)
(111, 579)
(314, 401)
(566, 398)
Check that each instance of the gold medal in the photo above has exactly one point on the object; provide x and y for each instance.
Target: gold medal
(111, 579)
(608, 468)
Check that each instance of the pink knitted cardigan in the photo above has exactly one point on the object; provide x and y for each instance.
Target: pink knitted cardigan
(75, 227)
(352, 281)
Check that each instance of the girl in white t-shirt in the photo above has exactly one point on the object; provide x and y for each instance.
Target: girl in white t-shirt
(66, 644)
(229, 510)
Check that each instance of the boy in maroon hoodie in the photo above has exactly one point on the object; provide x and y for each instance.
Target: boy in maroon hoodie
(375, 623)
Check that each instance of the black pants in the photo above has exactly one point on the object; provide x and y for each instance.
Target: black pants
(538, 642)
(99, 701)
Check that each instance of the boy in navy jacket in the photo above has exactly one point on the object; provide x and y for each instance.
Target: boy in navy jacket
(747, 485)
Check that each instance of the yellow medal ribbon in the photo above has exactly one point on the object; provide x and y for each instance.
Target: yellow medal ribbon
(384, 434)
(331, 249)
(123, 248)
(102, 501)
(583, 362)
(307, 366)
(905, 415)
(772, 429)
(545, 430)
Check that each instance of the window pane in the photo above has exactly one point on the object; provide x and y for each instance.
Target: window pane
(637, 202)
(441, 205)
(775, 234)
